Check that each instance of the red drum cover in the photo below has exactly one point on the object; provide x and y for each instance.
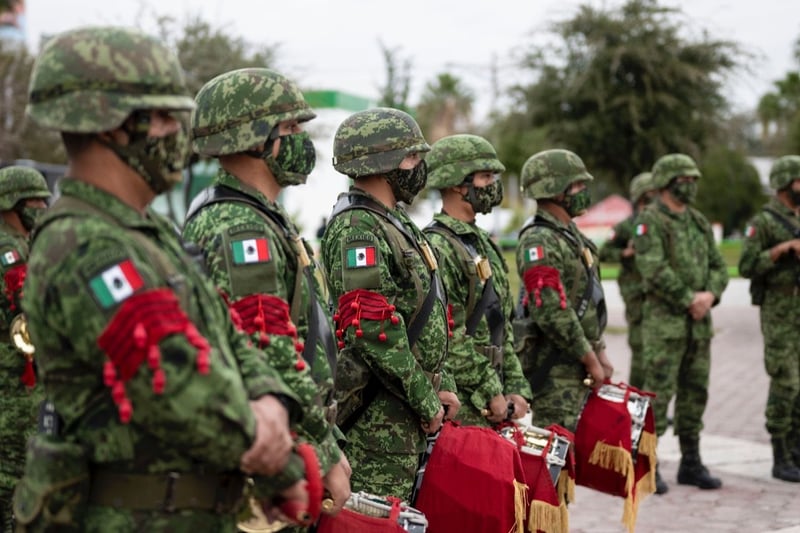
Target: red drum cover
(348, 521)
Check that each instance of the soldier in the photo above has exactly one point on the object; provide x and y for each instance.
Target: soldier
(392, 315)
(561, 339)
(619, 249)
(465, 168)
(154, 401)
(23, 197)
(684, 276)
(771, 259)
(252, 120)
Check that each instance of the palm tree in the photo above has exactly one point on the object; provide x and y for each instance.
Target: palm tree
(445, 107)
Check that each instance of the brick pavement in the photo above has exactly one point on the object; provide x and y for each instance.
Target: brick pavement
(734, 444)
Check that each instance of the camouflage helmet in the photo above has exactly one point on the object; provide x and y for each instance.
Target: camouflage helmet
(239, 109)
(455, 157)
(20, 183)
(671, 166)
(376, 141)
(90, 80)
(549, 173)
(784, 171)
(640, 184)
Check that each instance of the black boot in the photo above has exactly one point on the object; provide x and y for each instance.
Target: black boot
(691, 470)
(782, 467)
(661, 485)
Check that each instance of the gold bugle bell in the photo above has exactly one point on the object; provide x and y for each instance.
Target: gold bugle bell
(20, 336)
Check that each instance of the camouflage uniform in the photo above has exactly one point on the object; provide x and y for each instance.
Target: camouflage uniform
(481, 368)
(776, 287)
(146, 379)
(629, 280)
(554, 336)
(677, 257)
(380, 275)
(20, 397)
(221, 228)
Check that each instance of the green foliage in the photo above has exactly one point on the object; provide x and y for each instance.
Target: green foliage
(621, 87)
(729, 191)
(779, 113)
(398, 79)
(445, 107)
(206, 51)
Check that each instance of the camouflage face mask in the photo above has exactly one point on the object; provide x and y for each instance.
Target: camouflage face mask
(295, 160)
(483, 199)
(406, 183)
(684, 191)
(28, 216)
(577, 204)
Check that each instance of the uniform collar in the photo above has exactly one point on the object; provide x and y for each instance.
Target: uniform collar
(107, 203)
(459, 227)
(227, 179)
(780, 207)
(8, 229)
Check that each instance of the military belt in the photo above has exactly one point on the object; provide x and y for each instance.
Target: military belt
(172, 491)
(436, 379)
(493, 353)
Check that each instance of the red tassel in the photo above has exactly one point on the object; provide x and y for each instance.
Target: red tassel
(203, 362)
(339, 333)
(263, 340)
(355, 322)
(28, 377)
(159, 381)
(258, 321)
(359, 333)
(109, 374)
(340, 344)
(118, 392)
(300, 365)
(394, 320)
(139, 336)
(153, 357)
(298, 347)
(382, 336)
(125, 411)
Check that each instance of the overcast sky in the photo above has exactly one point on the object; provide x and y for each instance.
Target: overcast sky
(333, 44)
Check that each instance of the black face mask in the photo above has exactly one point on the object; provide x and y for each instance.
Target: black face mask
(684, 191)
(794, 195)
(406, 183)
(483, 199)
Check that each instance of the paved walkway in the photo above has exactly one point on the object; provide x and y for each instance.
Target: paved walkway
(734, 445)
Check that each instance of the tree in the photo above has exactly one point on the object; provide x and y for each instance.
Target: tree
(445, 107)
(622, 87)
(394, 93)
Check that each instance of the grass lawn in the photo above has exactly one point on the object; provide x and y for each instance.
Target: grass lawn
(730, 251)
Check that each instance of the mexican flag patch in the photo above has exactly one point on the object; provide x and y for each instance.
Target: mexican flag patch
(9, 258)
(750, 231)
(534, 254)
(361, 257)
(641, 229)
(249, 251)
(116, 283)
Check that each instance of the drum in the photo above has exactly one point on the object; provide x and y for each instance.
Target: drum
(367, 513)
(615, 445)
(541, 442)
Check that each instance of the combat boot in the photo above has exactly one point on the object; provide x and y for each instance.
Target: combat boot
(782, 466)
(661, 485)
(691, 470)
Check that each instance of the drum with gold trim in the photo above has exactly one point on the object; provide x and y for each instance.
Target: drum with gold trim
(368, 512)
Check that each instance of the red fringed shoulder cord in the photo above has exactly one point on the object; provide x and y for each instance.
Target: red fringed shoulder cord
(132, 337)
(14, 279)
(361, 304)
(538, 277)
(267, 315)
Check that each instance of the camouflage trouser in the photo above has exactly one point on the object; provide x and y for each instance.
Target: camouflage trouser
(469, 415)
(559, 399)
(381, 473)
(673, 369)
(782, 362)
(104, 519)
(18, 411)
(636, 377)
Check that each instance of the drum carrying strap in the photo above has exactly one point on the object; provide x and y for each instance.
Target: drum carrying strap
(592, 293)
(422, 314)
(318, 327)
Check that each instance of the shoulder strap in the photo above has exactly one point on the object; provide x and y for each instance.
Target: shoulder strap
(786, 223)
(318, 327)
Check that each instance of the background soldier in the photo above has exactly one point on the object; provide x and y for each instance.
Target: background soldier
(562, 338)
(771, 259)
(684, 276)
(392, 314)
(465, 168)
(619, 249)
(23, 195)
(154, 401)
(251, 119)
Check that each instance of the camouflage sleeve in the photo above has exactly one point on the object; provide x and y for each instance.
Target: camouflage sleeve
(476, 380)
(514, 381)
(650, 243)
(382, 344)
(246, 261)
(755, 260)
(94, 294)
(611, 251)
(12, 276)
(542, 262)
(717, 269)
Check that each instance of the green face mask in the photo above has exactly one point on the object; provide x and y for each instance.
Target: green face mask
(28, 216)
(684, 191)
(295, 160)
(483, 199)
(407, 183)
(577, 204)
